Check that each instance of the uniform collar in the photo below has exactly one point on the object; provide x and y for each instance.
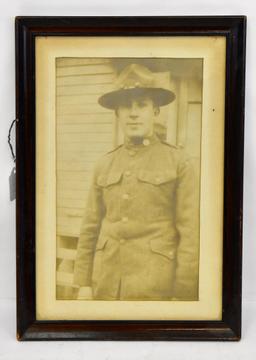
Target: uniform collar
(142, 142)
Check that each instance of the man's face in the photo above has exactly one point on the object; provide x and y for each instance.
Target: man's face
(137, 116)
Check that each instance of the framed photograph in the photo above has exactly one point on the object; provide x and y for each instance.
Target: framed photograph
(129, 177)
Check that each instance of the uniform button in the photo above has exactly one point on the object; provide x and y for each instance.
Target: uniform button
(127, 173)
(122, 241)
(125, 219)
(125, 196)
(146, 142)
(171, 254)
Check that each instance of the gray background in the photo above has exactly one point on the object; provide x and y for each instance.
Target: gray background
(9, 348)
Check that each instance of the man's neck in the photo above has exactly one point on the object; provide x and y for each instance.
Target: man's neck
(139, 140)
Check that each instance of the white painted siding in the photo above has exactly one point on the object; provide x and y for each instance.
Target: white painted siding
(84, 133)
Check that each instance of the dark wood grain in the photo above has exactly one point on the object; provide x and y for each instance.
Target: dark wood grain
(27, 28)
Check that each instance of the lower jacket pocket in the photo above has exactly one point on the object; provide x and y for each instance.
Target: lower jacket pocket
(163, 248)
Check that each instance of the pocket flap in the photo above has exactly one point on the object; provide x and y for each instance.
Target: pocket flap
(163, 248)
(101, 243)
(157, 178)
(109, 179)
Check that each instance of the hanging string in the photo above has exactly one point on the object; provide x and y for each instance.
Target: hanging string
(9, 139)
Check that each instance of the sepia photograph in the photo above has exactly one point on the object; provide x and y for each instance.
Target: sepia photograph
(130, 136)
(128, 177)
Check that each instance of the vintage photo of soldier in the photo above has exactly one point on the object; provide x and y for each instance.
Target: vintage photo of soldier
(128, 178)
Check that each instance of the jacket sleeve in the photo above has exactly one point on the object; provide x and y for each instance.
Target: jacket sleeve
(91, 223)
(187, 223)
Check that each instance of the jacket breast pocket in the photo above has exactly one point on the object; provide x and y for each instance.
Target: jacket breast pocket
(157, 193)
(157, 178)
(108, 180)
(110, 185)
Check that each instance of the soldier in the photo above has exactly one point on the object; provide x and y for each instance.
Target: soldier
(138, 238)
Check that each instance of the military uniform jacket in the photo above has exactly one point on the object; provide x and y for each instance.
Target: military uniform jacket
(138, 238)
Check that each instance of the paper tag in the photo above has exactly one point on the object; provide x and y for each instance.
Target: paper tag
(12, 184)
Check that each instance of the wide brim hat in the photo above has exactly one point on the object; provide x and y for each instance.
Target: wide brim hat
(136, 80)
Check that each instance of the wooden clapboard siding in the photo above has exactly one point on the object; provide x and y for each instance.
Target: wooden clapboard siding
(85, 80)
(72, 228)
(79, 109)
(79, 128)
(69, 212)
(65, 179)
(62, 181)
(83, 69)
(82, 137)
(84, 134)
(78, 154)
(76, 99)
(70, 203)
(69, 230)
(71, 193)
(69, 61)
(89, 145)
(75, 166)
(90, 89)
(105, 118)
(72, 185)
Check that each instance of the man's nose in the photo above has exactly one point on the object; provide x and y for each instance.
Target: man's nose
(133, 111)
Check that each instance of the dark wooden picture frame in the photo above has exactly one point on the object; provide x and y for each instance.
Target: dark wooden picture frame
(27, 29)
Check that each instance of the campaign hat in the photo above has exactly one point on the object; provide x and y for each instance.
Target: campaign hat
(133, 81)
